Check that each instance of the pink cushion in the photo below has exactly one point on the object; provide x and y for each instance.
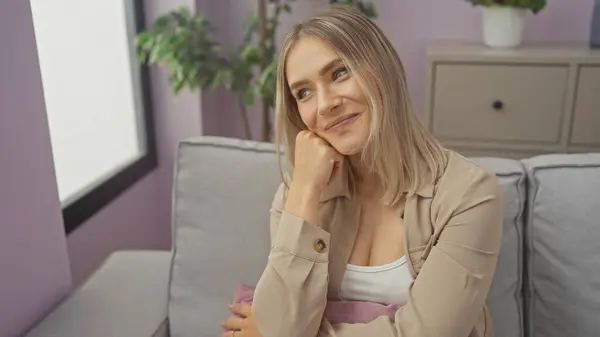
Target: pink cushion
(336, 311)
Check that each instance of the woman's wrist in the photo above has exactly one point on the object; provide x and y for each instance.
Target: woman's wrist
(303, 202)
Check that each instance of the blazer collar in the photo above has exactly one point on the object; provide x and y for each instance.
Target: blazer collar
(339, 187)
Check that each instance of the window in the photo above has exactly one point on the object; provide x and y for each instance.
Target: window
(97, 100)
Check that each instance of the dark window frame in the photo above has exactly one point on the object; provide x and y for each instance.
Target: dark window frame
(79, 211)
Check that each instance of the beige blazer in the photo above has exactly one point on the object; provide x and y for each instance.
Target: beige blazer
(452, 239)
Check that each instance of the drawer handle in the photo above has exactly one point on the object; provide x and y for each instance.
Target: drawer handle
(498, 105)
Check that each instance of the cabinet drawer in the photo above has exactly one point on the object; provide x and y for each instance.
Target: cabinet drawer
(586, 119)
(508, 103)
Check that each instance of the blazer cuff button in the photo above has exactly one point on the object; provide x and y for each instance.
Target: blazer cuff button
(320, 246)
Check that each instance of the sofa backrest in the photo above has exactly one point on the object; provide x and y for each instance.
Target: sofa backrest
(224, 187)
(222, 192)
(505, 299)
(563, 245)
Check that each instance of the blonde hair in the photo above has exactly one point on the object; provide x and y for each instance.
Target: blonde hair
(398, 150)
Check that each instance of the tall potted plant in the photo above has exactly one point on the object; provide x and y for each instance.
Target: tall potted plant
(183, 43)
(504, 20)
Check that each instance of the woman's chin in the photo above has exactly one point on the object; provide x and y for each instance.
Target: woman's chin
(348, 148)
(347, 143)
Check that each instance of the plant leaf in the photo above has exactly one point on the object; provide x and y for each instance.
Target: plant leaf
(248, 96)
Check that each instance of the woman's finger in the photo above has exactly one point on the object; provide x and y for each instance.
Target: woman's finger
(231, 334)
(242, 309)
(233, 323)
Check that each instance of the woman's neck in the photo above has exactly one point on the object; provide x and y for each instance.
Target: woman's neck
(367, 183)
(368, 186)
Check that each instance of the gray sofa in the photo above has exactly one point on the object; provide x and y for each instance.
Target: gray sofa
(547, 283)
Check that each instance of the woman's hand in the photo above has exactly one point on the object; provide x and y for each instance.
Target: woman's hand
(243, 326)
(315, 162)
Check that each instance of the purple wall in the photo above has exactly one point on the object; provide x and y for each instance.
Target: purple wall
(36, 270)
(120, 225)
(34, 266)
(410, 25)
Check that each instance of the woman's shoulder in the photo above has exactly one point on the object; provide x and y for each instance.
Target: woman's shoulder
(463, 178)
(471, 195)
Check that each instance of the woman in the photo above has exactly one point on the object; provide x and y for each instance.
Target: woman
(375, 209)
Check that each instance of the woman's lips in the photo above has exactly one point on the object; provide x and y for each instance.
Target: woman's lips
(342, 122)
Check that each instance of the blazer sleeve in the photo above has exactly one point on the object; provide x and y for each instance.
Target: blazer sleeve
(291, 295)
(450, 291)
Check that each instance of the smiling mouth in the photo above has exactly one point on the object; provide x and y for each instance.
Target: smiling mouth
(341, 121)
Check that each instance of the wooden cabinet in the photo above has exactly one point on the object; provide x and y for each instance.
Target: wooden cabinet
(586, 114)
(513, 103)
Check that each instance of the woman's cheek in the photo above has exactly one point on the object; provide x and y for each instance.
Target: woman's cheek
(309, 118)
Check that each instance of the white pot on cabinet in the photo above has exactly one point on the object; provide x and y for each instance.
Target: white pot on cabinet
(503, 26)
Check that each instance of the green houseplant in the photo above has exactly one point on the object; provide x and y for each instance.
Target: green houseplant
(533, 5)
(183, 43)
(504, 20)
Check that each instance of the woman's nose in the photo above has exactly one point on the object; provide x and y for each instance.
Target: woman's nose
(327, 101)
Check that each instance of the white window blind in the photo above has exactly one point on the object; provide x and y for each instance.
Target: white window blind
(89, 74)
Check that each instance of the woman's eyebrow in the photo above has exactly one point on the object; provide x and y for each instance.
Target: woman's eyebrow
(322, 72)
(328, 66)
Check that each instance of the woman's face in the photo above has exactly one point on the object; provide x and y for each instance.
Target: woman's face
(329, 99)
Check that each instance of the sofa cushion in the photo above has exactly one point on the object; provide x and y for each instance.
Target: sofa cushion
(563, 240)
(505, 297)
(223, 192)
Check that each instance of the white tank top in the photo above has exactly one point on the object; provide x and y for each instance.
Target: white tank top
(387, 284)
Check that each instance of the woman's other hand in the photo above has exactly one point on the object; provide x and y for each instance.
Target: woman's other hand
(242, 326)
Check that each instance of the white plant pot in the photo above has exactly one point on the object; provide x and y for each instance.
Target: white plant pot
(503, 26)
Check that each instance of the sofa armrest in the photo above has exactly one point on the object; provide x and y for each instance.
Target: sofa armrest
(126, 296)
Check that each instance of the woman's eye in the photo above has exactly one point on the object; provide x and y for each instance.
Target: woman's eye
(300, 94)
(340, 72)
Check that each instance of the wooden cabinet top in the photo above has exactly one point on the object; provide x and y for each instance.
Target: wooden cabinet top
(551, 53)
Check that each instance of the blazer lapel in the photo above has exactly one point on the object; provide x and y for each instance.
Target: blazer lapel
(417, 228)
(342, 215)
